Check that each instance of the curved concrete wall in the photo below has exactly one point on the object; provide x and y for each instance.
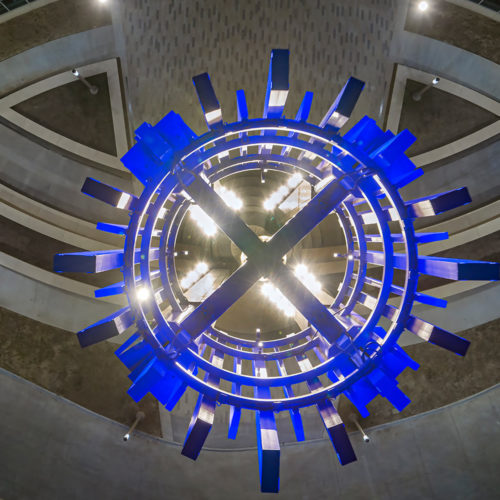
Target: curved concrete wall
(52, 448)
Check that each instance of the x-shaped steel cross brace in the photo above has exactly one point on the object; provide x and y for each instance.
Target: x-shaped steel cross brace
(263, 258)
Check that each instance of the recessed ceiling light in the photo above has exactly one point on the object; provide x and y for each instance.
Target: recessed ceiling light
(423, 6)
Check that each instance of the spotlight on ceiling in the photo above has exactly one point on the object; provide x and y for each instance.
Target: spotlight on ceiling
(435, 81)
(423, 6)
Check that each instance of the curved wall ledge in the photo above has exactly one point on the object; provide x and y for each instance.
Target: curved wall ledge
(110, 67)
(54, 179)
(52, 57)
(70, 452)
(452, 63)
(404, 73)
(50, 298)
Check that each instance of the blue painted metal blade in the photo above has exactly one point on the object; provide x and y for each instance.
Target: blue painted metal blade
(343, 106)
(94, 262)
(269, 452)
(208, 100)
(301, 116)
(153, 144)
(118, 288)
(277, 84)
(337, 432)
(364, 133)
(135, 355)
(111, 326)
(203, 415)
(241, 104)
(388, 388)
(234, 422)
(129, 342)
(146, 378)
(235, 413)
(120, 229)
(420, 237)
(419, 296)
(438, 203)
(199, 427)
(435, 335)
(108, 291)
(452, 269)
(140, 163)
(268, 445)
(175, 131)
(108, 194)
(295, 417)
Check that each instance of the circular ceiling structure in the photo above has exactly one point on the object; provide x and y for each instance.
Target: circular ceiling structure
(330, 342)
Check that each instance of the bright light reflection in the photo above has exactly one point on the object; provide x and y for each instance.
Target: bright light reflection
(423, 6)
(282, 192)
(308, 278)
(277, 298)
(204, 222)
(143, 294)
(230, 198)
(194, 275)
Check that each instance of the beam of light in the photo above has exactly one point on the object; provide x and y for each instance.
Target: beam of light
(308, 278)
(194, 275)
(230, 198)
(204, 222)
(278, 299)
(282, 192)
(143, 294)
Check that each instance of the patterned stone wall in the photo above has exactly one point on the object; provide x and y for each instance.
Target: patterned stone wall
(167, 42)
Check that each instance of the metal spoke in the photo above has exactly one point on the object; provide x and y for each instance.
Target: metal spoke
(307, 304)
(263, 258)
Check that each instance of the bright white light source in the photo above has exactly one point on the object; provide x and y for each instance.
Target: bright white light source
(122, 202)
(435, 80)
(201, 267)
(277, 298)
(213, 116)
(186, 252)
(75, 72)
(335, 254)
(230, 198)
(282, 192)
(260, 344)
(423, 6)
(307, 278)
(350, 257)
(142, 294)
(294, 180)
(194, 275)
(204, 222)
(323, 183)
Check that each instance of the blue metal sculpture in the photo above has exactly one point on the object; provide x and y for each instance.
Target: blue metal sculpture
(357, 176)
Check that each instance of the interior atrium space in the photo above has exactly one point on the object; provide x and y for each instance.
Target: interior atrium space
(249, 248)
